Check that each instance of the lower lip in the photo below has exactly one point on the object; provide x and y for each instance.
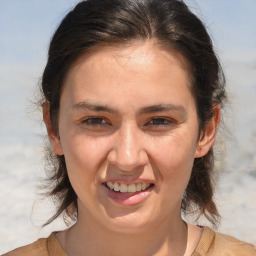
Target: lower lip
(129, 198)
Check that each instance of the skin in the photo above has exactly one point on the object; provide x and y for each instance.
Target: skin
(127, 114)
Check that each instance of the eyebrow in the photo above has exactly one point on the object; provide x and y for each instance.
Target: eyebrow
(161, 108)
(85, 105)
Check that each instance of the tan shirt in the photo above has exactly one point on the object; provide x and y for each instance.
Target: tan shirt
(211, 244)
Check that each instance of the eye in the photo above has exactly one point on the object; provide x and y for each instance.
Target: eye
(160, 122)
(95, 121)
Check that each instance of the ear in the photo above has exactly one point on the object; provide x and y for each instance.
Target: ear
(53, 135)
(208, 135)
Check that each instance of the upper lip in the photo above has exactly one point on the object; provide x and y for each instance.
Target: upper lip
(128, 182)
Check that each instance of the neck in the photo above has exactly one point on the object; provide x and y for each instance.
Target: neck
(88, 237)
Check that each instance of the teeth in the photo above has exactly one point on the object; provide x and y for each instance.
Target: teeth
(143, 186)
(138, 187)
(116, 186)
(110, 185)
(124, 188)
(132, 188)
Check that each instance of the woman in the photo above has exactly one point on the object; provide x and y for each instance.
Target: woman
(132, 98)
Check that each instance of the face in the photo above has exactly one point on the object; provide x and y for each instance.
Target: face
(128, 129)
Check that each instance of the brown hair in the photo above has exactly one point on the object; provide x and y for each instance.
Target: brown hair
(171, 24)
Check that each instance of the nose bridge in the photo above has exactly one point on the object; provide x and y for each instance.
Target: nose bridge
(128, 151)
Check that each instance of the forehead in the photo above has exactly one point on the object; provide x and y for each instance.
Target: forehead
(137, 56)
(128, 72)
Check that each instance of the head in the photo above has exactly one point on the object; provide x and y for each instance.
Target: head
(166, 25)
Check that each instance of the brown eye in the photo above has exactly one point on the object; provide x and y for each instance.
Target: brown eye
(95, 121)
(162, 122)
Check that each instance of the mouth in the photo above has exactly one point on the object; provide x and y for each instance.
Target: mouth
(131, 188)
(128, 194)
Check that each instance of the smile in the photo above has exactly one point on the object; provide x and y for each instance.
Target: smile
(128, 194)
(124, 188)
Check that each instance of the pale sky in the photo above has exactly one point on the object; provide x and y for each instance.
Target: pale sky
(26, 26)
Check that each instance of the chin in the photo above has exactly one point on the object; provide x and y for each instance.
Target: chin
(129, 223)
(128, 226)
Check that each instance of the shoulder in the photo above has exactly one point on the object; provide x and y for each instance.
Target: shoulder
(37, 248)
(233, 246)
(42, 247)
(213, 243)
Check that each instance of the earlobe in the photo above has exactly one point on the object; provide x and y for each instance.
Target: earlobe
(52, 134)
(208, 136)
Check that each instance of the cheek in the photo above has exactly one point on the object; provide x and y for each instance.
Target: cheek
(175, 151)
(175, 161)
(85, 153)
(85, 158)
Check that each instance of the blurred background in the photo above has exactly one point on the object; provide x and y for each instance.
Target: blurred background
(26, 27)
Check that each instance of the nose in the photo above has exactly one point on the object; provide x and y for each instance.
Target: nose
(128, 150)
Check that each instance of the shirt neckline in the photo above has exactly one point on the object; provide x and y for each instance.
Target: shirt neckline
(54, 247)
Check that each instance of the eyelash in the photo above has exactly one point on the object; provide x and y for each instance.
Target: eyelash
(160, 122)
(95, 121)
(155, 122)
